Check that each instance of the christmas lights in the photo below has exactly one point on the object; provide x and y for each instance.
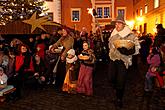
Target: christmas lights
(11, 10)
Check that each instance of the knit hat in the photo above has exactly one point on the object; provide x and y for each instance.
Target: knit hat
(71, 51)
(120, 19)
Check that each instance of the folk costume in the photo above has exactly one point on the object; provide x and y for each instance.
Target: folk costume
(72, 69)
(85, 80)
(121, 57)
(67, 42)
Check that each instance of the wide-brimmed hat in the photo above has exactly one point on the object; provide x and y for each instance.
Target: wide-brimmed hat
(120, 19)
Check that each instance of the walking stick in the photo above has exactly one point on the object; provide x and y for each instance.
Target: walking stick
(56, 65)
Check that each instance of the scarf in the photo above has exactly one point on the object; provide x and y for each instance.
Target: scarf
(123, 32)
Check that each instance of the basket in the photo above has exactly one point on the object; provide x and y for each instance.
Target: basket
(123, 43)
(81, 57)
(2, 86)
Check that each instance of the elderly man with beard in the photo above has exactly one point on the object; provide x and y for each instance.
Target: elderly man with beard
(123, 44)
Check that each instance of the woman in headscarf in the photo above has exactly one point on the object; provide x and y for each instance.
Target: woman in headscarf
(87, 58)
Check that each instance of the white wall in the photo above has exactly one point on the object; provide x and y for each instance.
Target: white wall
(55, 7)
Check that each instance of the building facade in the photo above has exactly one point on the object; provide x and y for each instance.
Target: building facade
(54, 11)
(75, 13)
(148, 13)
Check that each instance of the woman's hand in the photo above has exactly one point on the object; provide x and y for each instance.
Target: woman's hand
(36, 74)
(42, 78)
(153, 69)
(83, 57)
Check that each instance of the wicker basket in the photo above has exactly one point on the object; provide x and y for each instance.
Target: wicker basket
(2, 86)
(123, 43)
(81, 57)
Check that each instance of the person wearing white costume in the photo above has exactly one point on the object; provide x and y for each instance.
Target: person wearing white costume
(123, 44)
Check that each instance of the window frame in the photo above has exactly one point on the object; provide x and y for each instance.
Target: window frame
(76, 9)
(103, 7)
(119, 8)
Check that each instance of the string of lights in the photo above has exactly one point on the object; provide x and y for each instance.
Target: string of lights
(11, 10)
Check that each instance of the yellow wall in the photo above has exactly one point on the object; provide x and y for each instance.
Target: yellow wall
(154, 15)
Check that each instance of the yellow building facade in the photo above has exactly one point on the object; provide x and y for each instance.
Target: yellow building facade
(147, 14)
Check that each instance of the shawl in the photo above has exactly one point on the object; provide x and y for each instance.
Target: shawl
(68, 60)
(125, 34)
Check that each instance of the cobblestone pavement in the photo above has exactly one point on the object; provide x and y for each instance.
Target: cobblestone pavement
(103, 98)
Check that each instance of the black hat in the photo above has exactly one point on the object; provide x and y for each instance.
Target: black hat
(159, 26)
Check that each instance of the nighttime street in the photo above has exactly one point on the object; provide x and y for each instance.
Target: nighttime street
(103, 98)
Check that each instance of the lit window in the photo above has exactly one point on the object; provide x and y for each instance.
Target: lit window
(103, 11)
(145, 9)
(141, 12)
(121, 12)
(106, 12)
(75, 15)
(156, 3)
(99, 12)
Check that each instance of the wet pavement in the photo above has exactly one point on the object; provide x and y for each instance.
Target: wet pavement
(103, 99)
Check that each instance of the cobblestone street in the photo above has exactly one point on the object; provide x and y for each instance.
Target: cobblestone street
(103, 98)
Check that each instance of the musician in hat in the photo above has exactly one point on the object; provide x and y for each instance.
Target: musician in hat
(123, 44)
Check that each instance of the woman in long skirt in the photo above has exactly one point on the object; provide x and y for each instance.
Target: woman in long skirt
(85, 83)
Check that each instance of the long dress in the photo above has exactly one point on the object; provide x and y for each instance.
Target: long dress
(85, 79)
(71, 77)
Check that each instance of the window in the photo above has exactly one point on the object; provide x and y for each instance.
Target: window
(121, 12)
(50, 16)
(99, 12)
(103, 11)
(141, 11)
(106, 12)
(49, 0)
(156, 3)
(75, 15)
(145, 9)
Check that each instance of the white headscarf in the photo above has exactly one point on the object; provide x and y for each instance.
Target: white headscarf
(72, 52)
